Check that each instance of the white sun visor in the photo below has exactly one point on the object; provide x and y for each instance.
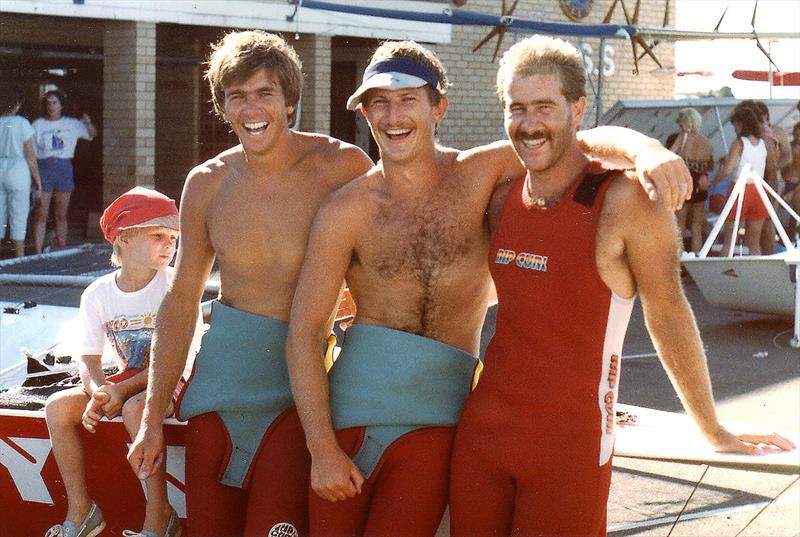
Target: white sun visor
(391, 80)
(393, 74)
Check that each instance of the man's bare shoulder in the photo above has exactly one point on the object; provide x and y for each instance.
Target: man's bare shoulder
(362, 189)
(340, 160)
(219, 167)
(354, 201)
(627, 202)
(204, 180)
(330, 148)
(780, 133)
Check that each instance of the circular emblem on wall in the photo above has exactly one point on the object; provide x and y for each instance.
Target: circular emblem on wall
(576, 9)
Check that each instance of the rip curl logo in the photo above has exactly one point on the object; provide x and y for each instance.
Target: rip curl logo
(523, 259)
(504, 257)
(283, 529)
(609, 399)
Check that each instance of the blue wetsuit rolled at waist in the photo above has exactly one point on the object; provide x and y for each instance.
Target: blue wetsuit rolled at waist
(394, 382)
(240, 373)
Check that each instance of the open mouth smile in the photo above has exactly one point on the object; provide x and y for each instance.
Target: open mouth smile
(397, 134)
(255, 128)
(532, 142)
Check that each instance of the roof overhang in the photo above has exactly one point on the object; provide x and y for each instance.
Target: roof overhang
(277, 16)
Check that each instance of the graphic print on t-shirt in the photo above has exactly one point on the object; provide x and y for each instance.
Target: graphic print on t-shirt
(131, 337)
(56, 142)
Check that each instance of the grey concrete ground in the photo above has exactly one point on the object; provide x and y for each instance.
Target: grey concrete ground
(756, 379)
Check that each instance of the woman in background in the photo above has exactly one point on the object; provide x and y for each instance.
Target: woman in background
(55, 140)
(696, 151)
(19, 174)
(748, 148)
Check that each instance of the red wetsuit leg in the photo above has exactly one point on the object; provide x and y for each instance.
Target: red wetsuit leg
(410, 492)
(213, 509)
(278, 486)
(481, 493)
(345, 518)
(405, 496)
(563, 500)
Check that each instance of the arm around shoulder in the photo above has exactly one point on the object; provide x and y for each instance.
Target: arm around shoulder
(352, 162)
(497, 162)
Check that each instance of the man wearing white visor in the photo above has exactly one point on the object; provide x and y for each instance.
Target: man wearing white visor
(393, 74)
(414, 253)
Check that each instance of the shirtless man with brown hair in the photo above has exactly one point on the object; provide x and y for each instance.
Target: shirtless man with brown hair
(414, 254)
(250, 208)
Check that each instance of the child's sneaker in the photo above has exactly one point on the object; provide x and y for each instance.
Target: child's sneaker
(92, 525)
(173, 529)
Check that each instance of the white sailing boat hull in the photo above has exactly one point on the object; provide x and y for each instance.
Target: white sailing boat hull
(760, 284)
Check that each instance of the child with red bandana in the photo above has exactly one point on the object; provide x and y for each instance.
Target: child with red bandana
(117, 315)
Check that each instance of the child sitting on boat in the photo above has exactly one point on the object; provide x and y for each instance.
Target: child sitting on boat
(117, 313)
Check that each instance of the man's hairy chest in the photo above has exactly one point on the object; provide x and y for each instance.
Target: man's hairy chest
(422, 243)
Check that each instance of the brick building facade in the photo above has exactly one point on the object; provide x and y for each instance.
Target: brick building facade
(136, 67)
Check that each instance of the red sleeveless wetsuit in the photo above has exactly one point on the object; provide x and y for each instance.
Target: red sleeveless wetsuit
(532, 454)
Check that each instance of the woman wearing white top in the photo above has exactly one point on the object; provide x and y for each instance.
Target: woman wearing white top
(748, 148)
(56, 138)
(19, 173)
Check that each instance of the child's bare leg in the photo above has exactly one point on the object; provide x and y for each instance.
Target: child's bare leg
(157, 512)
(63, 413)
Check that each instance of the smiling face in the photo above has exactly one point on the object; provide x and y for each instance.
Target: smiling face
(149, 247)
(403, 122)
(539, 120)
(257, 111)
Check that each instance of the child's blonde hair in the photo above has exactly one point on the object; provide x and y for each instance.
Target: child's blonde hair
(116, 248)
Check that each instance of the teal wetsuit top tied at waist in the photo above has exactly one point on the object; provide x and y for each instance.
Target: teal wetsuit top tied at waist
(394, 382)
(240, 373)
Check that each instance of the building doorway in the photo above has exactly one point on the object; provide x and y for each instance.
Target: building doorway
(31, 71)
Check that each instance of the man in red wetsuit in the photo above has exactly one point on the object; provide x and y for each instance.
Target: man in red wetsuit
(532, 454)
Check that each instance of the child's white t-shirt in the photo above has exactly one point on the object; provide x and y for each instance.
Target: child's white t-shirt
(122, 323)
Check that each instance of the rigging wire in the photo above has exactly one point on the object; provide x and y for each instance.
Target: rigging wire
(696, 485)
